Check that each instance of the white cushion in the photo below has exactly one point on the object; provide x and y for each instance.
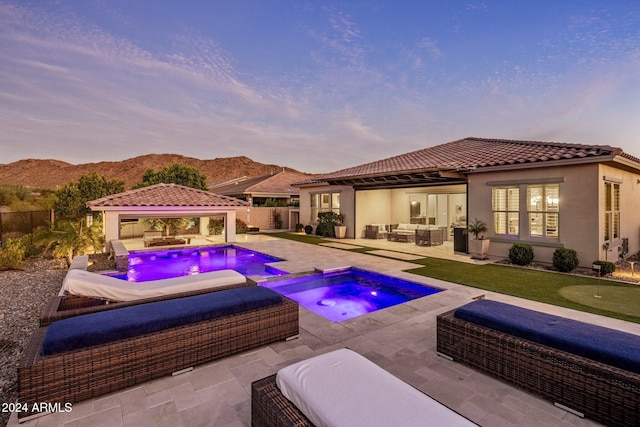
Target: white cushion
(86, 283)
(403, 226)
(342, 388)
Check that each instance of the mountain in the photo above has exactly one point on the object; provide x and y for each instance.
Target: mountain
(49, 174)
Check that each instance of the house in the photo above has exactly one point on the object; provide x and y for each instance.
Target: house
(256, 191)
(267, 195)
(547, 194)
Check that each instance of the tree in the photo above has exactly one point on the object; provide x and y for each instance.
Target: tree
(71, 200)
(175, 174)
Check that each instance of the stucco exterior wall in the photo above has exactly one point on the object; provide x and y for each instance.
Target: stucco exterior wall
(347, 205)
(374, 207)
(580, 226)
(262, 217)
(629, 210)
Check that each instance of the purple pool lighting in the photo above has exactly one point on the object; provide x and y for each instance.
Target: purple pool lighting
(145, 266)
(350, 293)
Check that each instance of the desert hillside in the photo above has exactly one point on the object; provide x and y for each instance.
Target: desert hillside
(49, 174)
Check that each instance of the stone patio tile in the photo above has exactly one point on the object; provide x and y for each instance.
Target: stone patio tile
(79, 410)
(208, 375)
(133, 400)
(166, 382)
(232, 392)
(211, 413)
(108, 418)
(164, 415)
(184, 396)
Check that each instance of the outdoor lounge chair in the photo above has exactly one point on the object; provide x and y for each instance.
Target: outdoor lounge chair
(586, 369)
(343, 388)
(86, 283)
(90, 355)
(375, 231)
(86, 292)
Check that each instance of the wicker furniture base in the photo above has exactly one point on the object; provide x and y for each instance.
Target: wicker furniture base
(601, 392)
(63, 306)
(269, 407)
(74, 376)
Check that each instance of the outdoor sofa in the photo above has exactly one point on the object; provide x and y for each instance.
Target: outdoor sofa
(86, 292)
(403, 232)
(90, 355)
(587, 369)
(343, 388)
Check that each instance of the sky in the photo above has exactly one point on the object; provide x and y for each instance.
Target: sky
(316, 86)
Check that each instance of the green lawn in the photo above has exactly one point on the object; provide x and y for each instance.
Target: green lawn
(620, 301)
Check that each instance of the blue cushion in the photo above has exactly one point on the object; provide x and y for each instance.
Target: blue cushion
(113, 325)
(609, 346)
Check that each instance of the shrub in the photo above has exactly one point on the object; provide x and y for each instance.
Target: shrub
(277, 220)
(308, 229)
(31, 249)
(216, 225)
(606, 267)
(521, 254)
(326, 220)
(11, 254)
(241, 226)
(299, 228)
(565, 259)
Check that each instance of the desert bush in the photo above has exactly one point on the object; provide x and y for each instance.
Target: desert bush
(521, 254)
(241, 226)
(606, 267)
(565, 259)
(12, 253)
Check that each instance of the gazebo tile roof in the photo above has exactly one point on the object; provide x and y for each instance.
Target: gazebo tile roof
(164, 195)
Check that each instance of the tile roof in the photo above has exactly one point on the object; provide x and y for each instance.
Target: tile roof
(166, 195)
(477, 153)
(279, 183)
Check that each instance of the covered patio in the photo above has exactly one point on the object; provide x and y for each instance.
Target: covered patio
(167, 201)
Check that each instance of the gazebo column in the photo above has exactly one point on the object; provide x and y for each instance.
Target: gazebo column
(230, 226)
(204, 225)
(111, 226)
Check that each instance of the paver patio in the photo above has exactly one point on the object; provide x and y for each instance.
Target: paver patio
(401, 339)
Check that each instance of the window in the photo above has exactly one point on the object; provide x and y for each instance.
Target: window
(611, 211)
(506, 206)
(543, 210)
(324, 202)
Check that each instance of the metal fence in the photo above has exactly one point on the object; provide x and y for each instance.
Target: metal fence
(16, 224)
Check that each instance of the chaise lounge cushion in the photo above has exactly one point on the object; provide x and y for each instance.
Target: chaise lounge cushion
(94, 285)
(343, 388)
(609, 346)
(127, 322)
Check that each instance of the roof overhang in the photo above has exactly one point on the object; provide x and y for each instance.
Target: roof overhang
(405, 179)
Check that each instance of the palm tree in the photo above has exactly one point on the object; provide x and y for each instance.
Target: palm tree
(71, 238)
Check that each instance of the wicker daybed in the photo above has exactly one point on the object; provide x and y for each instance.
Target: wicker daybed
(65, 363)
(64, 306)
(570, 363)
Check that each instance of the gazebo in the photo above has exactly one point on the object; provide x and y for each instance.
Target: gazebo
(167, 201)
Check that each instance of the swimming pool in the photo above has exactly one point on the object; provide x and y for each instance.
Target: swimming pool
(145, 266)
(349, 293)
